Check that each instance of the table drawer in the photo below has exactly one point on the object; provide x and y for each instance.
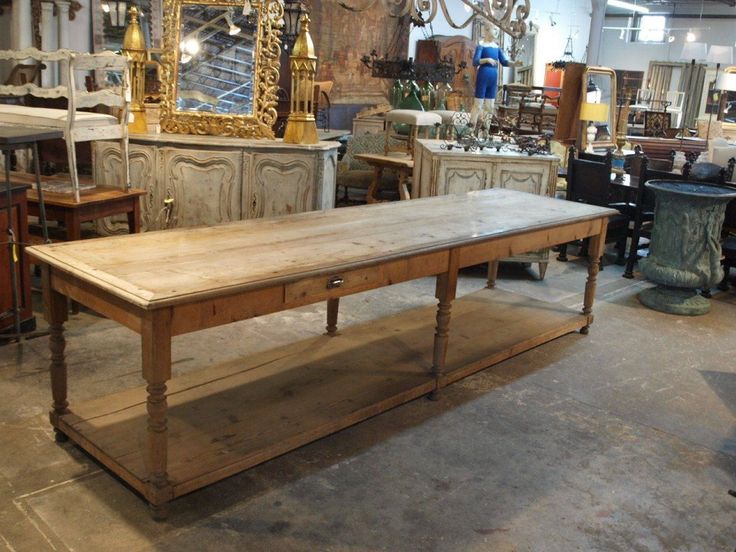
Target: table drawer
(338, 284)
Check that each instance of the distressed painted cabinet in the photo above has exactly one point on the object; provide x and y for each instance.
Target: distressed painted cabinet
(204, 180)
(439, 171)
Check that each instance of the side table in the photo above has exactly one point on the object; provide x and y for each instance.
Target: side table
(13, 138)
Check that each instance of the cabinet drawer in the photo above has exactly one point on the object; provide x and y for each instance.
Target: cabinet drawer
(338, 284)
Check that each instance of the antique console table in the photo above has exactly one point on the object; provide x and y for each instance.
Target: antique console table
(177, 435)
(439, 171)
(202, 180)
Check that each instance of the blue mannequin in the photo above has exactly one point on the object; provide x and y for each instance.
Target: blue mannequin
(488, 55)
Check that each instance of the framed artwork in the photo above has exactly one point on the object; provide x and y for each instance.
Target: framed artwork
(657, 123)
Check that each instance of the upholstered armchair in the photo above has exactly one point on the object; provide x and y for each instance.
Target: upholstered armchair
(353, 174)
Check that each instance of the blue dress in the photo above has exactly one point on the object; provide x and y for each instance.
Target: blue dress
(486, 80)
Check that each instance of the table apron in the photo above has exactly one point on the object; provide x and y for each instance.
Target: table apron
(241, 305)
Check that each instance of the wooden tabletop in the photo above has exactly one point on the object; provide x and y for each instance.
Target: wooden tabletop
(14, 135)
(165, 268)
(387, 161)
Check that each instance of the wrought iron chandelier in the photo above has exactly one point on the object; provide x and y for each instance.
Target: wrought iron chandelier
(508, 15)
(293, 11)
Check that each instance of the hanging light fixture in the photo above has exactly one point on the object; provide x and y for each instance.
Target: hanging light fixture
(293, 11)
(116, 11)
(233, 28)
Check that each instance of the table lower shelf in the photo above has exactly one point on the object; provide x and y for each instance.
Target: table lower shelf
(231, 417)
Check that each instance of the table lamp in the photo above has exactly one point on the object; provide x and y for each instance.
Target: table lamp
(593, 113)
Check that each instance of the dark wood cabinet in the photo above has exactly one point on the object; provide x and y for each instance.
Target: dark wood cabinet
(20, 227)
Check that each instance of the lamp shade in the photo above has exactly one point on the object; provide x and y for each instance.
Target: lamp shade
(726, 82)
(597, 112)
(720, 54)
(694, 50)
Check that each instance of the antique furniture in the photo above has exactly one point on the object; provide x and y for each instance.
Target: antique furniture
(78, 126)
(16, 313)
(589, 182)
(439, 171)
(173, 437)
(191, 181)
(599, 87)
(240, 70)
(661, 148)
(403, 165)
(368, 125)
(412, 120)
(352, 173)
(15, 217)
(685, 250)
(657, 123)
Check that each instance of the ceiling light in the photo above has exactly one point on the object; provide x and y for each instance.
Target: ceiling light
(233, 28)
(185, 58)
(628, 6)
(246, 8)
(190, 46)
(690, 36)
(670, 38)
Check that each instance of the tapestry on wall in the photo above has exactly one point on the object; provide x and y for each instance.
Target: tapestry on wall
(342, 37)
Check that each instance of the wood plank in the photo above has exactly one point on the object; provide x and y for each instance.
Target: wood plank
(158, 269)
(228, 418)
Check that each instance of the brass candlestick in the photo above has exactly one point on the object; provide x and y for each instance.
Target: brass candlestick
(134, 46)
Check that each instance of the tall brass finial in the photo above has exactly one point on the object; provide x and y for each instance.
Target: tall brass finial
(301, 128)
(134, 46)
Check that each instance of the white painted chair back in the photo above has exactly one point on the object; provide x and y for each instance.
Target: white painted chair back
(76, 128)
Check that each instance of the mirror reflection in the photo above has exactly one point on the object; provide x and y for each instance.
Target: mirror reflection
(216, 60)
(599, 90)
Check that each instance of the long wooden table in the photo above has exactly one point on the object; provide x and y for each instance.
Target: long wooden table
(173, 437)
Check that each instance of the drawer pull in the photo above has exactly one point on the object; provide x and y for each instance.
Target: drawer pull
(335, 282)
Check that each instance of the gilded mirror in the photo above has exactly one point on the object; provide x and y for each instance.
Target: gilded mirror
(220, 67)
(599, 87)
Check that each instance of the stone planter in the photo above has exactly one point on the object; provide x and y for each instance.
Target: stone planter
(685, 251)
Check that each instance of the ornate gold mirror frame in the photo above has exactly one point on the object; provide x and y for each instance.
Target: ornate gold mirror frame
(607, 97)
(265, 76)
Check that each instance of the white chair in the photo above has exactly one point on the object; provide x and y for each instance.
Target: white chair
(676, 102)
(78, 126)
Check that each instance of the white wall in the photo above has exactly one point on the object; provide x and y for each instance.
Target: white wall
(620, 54)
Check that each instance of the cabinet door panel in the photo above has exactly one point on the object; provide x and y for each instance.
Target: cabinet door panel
(460, 177)
(205, 186)
(143, 175)
(281, 185)
(528, 178)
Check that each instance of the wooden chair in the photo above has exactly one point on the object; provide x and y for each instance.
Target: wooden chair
(590, 182)
(415, 120)
(322, 104)
(641, 211)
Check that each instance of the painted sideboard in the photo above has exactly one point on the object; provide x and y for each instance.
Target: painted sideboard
(204, 180)
(440, 171)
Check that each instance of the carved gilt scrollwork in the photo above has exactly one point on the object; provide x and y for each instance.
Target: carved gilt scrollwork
(265, 76)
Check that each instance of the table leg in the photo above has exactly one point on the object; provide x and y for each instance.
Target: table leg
(333, 306)
(445, 293)
(156, 349)
(595, 252)
(371, 196)
(403, 185)
(39, 191)
(134, 217)
(55, 311)
(492, 274)
(12, 247)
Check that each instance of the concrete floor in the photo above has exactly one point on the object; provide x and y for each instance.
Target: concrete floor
(620, 440)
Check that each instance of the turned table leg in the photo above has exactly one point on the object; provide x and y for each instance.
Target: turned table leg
(403, 185)
(492, 274)
(595, 252)
(156, 348)
(445, 293)
(333, 306)
(372, 193)
(55, 308)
